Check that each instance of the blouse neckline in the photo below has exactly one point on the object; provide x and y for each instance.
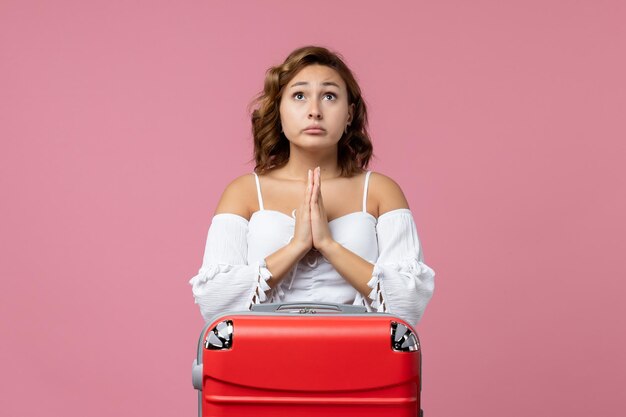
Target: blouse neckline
(382, 216)
(288, 217)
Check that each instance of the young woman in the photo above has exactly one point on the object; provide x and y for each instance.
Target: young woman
(310, 223)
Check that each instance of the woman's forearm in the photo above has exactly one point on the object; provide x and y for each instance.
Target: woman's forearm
(281, 261)
(354, 269)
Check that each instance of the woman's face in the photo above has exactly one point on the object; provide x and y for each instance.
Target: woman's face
(314, 109)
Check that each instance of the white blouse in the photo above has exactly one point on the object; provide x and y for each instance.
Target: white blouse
(233, 274)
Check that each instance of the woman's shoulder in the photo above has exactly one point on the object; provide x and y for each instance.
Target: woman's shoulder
(238, 197)
(386, 193)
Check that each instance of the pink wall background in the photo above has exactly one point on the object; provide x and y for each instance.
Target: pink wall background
(122, 121)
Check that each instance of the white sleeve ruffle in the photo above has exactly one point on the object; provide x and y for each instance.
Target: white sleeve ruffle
(402, 284)
(225, 282)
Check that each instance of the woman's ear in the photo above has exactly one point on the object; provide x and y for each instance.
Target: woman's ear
(350, 113)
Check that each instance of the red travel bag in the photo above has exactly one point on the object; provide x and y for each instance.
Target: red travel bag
(301, 359)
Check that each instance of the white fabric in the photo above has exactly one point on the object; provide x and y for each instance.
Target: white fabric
(233, 274)
(365, 187)
(258, 192)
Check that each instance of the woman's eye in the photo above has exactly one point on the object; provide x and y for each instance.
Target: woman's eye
(328, 96)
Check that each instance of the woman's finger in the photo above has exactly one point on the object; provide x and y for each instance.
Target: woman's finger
(306, 203)
(318, 194)
(312, 190)
(320, 201)
(309, 186)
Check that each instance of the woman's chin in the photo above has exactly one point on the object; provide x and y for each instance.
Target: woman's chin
(314, 142)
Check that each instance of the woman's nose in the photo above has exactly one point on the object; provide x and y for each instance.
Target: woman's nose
(315, 112)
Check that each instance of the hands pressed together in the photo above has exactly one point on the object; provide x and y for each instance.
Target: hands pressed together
(311, 232)
(311, 228)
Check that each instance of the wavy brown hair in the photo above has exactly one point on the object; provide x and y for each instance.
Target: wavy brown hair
(271, 147)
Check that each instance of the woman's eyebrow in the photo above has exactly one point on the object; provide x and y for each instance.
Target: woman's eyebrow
(325, 83)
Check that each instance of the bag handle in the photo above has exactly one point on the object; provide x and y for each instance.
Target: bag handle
(308, 308)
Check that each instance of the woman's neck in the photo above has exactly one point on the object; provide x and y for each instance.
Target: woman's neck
(300, 162)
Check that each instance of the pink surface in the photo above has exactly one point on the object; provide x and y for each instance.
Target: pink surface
(121, 123)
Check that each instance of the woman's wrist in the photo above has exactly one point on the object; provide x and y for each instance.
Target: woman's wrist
(328, 247)
(298, 248)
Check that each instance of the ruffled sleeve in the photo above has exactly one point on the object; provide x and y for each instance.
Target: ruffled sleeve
(225, 282)
(402, 284)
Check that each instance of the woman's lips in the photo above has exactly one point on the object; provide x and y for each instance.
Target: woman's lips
(314, 130)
